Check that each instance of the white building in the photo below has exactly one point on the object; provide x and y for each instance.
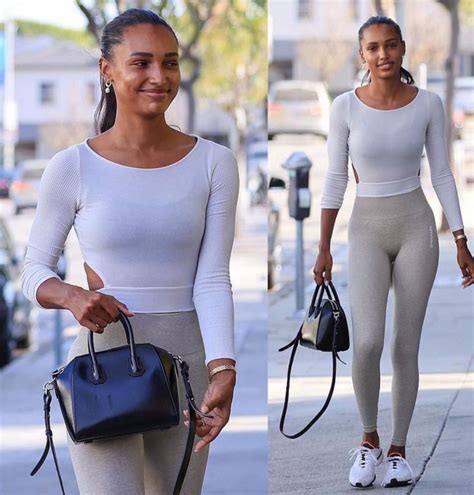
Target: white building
(57, 91)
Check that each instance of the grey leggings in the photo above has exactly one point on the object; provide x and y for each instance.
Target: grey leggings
(391, 238)
(146, 463)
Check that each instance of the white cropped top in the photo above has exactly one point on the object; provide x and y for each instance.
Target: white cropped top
(159, 238)
(385, 147)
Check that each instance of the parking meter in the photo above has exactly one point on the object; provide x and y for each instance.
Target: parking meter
(299, 197)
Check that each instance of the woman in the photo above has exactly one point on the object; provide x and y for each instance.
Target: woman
(383, 126)
(154, 212)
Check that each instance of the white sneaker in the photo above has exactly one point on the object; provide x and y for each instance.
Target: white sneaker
(397, 472)
(362, 472)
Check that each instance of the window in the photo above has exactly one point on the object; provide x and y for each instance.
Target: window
(305, 9)
(46, 93)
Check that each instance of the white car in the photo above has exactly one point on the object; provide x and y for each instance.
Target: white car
(298, 107)
(25, 186)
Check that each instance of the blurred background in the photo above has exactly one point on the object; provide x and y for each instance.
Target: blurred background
(49, 90)
(313, 57)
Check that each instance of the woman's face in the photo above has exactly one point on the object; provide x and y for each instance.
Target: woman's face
(144, 70)
(382, 51)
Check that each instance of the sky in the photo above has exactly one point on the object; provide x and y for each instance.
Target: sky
(62, 13)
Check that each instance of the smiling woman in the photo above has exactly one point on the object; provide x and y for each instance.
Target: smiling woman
(154, 212)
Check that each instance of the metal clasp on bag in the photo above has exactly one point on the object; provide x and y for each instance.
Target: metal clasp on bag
(48, 386)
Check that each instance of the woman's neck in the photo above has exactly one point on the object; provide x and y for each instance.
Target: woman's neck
(135, 132)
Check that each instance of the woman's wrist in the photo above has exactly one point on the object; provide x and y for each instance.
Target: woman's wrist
(223, 367)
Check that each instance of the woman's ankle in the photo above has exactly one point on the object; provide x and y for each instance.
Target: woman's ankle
(372, 438)
(396, 450)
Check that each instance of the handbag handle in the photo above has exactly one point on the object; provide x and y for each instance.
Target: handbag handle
(318, 295)
(96, 373)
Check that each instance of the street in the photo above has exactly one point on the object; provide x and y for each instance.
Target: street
(440, 437)
(238, 457)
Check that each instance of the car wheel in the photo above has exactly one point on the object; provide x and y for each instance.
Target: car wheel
(23, 342)
(5, 354)
(271, 276)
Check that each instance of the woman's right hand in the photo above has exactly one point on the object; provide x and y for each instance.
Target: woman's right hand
(95, 310)
(322, 269)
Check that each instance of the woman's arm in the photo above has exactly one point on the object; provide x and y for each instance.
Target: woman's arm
(445, 185)
(212, 293)
(335, 184)
(58, 201)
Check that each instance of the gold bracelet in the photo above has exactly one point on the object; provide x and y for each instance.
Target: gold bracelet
(460, 236)
(223, 367)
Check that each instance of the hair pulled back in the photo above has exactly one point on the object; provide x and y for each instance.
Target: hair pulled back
(112, 35)
(377, 20)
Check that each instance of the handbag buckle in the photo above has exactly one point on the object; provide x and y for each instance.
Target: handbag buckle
(48, 386)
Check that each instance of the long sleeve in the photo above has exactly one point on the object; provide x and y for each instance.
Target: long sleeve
(58, 201)
(336, 180)
(212, 292)
(441, 175)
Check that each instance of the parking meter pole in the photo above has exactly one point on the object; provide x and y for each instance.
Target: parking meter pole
(58, 339)
(299, 205)
(58, 324)
(299, 263)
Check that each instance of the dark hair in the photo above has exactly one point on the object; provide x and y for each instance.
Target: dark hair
(381, 19)
(112, 34)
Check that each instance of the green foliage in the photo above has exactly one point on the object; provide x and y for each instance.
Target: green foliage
(31, 28)
(234, 52)
(466, 13)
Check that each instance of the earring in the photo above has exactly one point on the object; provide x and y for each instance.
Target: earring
(108, 84)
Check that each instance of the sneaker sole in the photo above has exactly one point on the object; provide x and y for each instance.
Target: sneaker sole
(360, 485)
(395, 483)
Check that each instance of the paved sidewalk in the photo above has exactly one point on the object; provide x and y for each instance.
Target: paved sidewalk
(238, 457)
(440, 441)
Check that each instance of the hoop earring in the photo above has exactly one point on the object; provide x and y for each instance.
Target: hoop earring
(108, 84)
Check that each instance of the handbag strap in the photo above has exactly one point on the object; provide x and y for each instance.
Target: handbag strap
(294, 343)
(193, 410)
(49, 435)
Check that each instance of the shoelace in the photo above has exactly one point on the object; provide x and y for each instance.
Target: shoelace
(396, 460)
(364, 454)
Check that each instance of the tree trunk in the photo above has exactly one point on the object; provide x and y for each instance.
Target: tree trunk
(378, 7)
(452, 7)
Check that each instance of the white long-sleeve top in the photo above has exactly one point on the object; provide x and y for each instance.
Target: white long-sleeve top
(385, 147)
(159, 238)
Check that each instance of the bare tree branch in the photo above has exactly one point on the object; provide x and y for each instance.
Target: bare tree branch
(379, 7)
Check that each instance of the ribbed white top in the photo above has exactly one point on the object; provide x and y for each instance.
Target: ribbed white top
(385, 147)
(159, 238)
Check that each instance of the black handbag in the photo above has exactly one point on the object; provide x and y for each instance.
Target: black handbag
(325, 329)
(119, 391)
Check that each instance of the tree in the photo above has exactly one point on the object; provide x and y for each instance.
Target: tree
(198, 21)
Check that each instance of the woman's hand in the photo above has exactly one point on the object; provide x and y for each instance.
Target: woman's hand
(94, 310)
(466, 263)
(217, 402)
(323, 267)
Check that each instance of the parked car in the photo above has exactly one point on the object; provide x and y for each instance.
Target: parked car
(298, 107)
(15, 308)
(25, 186)
(6, 177)
(274, 247)
(257, 171)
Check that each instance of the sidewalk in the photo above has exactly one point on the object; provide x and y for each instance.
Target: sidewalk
(439, 444)
(238, 457)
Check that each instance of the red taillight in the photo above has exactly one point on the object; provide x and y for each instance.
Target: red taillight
(19, 185)
(315, 109)
(274, 107)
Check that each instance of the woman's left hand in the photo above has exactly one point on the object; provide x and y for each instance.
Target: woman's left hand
(466, 263)
(217, 402)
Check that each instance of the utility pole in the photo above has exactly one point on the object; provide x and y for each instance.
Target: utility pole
(10, 116)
